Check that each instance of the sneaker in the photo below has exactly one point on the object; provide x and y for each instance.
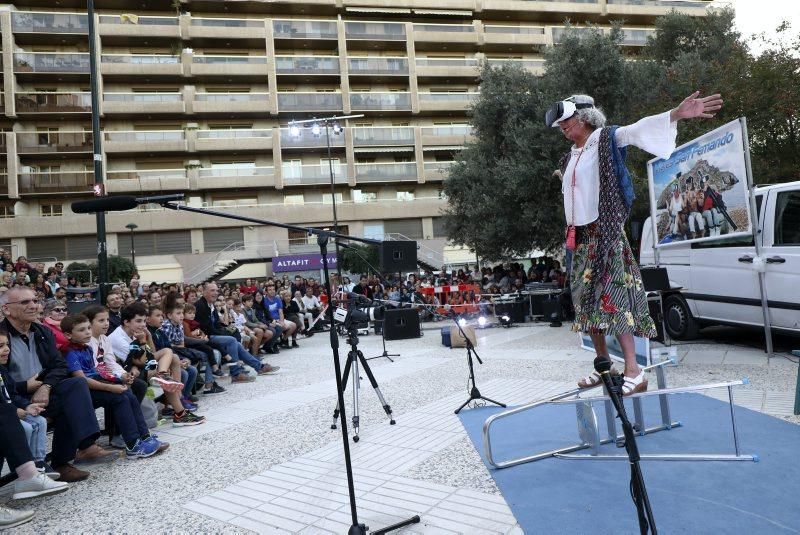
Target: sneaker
(242, 378)
(95, 454)
(165, 384)
(14, 517)
(142, 449)
(215, 389)
(70, 474)
(47, 470)
(294, 344)
(194, 398)
(38, 485)
(161, 446)
(188, 405)
(117, 442)
(166, 412)
(266, 369)
(187, 418)
(219, 373)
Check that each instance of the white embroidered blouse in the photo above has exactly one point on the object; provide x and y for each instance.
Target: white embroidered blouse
(655, 134)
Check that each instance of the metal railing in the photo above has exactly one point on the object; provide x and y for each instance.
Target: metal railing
(49, 22)
(304, 29)
(51, 62)
(61, 141)
(237, 133)
(388, 31)
(41, 102)
(448, 97)
(378, 65)
(380, 101)
(141, 59)
(142, 97)
(239, 172)
(307, 64)
(447, 62)
(230, 60)
(453, 130)
(531, 64)
(426, 254)
(383, 135)
(231, 97)
(227, 23)
(309, 101)
(662, 3)
(385, 172)
(145, 135)
(514, 30)
(313, 174)
(59, 181)
(146, 174)
(307, 139)
(137, 20)
(449, 28)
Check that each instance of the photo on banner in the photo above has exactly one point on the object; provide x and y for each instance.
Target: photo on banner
(700, 193)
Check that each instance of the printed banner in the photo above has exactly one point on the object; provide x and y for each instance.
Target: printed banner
(700, 192)
(301, 262)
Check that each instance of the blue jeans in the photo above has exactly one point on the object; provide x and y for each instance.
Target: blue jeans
(229, 345)
(126, 411)
(188, 378)
(36, 430)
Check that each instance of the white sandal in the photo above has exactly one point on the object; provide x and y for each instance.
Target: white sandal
(634, 385)
(590, 381)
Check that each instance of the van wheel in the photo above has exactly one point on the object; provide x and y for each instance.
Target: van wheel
(678, 319)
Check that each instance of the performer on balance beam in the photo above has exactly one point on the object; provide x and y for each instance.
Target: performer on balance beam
(605, 281)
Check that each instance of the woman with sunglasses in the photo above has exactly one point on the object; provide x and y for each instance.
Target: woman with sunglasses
(54, 312)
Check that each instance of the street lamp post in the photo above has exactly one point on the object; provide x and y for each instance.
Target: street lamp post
(132, 227)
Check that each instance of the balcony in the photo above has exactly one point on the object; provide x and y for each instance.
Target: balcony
(539, 9)
(654, 8)
(307, 65)
(235, 177)
(375, 101)
(141, 64)
(51, 62)
(507, 36)
(436, 101)
(146, 180)
(383, 136)
(437, 170)
(127, 25)
(212, 28)
(231, 102)
(391, 66)
(447, 67)
(137, 103)
(56, 182)
(305, 29)
(54, 142)
(449, 136)
(375, 31)
(636, 37)
(35, 102)
(297, 101)
(445, 33)
(386, 172)
(307, 140)
(536, 66)
(145, 141)
(229, 66)
(234, 140)
(559, 32)
(314, 174)
(60, 23)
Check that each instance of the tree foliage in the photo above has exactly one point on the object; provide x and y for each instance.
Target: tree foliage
(502, 198)
(358, 258)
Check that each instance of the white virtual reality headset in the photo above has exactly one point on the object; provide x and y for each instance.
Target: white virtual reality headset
(561, 111)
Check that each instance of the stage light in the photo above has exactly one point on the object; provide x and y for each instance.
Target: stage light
(462, 322)
(315, 129)
(294, 130)
(482, 322)
(505, 321)
(337, 128)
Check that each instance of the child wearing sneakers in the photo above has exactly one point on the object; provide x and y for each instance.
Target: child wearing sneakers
(35, 426)
(112, 396)
(193, 336)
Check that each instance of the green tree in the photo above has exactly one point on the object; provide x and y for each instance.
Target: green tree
(80, 271)
(120, 269)
(358, 257)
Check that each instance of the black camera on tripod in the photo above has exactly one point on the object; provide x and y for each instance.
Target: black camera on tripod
(357, 315)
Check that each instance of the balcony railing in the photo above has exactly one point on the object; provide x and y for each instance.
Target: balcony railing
(374, 101)
(294, 175)
(148, 136)
(450, 28)
(51, 62)
(148, 174)
(233, 134)
(382, 136)
(23, 22)
(54, 141)
(560, 32)
(515, 30)
(661, 3)
(228, 23)
(232, 97)
(237, 172)
(142, 97)
(454, 130)
(636, 37)
(385, 172)
(529, 64)
(35, 102)
(306, 139)
(62, 181)
(126, 18)
(297, 101)
(230, 60)
(304, 29)
(307, 64)
(378, 65)
(386, 31)
(437, 167)
(141, 59)
(447, 62)
(466, 98)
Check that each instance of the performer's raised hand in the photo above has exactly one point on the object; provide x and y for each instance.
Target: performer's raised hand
(692, 107)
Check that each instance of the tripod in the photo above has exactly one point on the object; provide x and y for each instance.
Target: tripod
(385, 354)
(353, 358)
(474, 393)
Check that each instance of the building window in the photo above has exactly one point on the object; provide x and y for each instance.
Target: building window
(438, 227)
(326, 198)
(232, 202)
(220, 238)
(63, 248)
(163, 243)
(293, 199)
(51, 210)
(406, 195)
(6, 211)
(409, 228)
(361, 196)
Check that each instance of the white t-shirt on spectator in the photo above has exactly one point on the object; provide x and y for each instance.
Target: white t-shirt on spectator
(311, 302)
(239, 320)
(108, 354)
(120, 343)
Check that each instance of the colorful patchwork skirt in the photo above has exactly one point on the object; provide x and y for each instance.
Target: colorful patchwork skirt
(622, 307)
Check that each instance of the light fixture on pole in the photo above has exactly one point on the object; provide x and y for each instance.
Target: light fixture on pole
(132, 227)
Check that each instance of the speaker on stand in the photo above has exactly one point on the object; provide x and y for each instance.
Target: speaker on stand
(401, 324)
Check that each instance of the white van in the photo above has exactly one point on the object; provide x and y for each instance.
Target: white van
(716, 282)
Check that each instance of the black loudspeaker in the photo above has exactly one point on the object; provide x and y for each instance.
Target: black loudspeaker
(396, 256)
(401, 324)
(516, 310)
(655, 279)
(550, 307)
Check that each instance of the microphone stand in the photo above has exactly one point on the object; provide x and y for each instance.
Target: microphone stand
(638, 490)
(474, 393)
(323, 237)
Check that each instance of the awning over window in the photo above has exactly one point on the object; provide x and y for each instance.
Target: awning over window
(378, 10)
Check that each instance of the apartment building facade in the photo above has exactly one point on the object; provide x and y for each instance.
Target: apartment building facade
(198, 97)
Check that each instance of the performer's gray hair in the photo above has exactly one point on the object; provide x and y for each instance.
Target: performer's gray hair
(594, 117)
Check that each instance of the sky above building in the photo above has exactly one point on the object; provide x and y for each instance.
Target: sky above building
(756, 16)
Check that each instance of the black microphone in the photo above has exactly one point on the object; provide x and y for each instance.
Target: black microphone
(602, 365)
(119, 203)
(358, 297)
